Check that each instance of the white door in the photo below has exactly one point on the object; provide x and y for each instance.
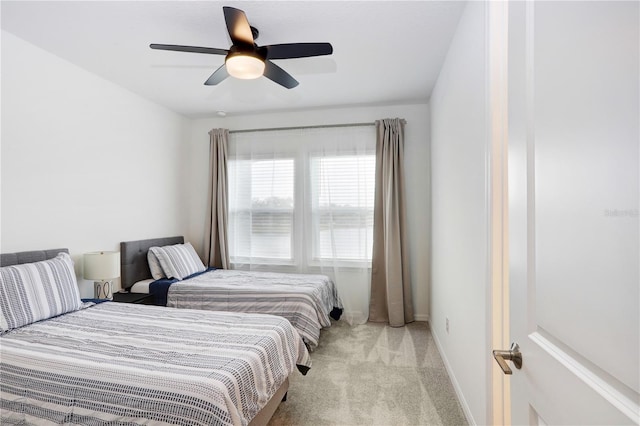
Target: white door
(574, 274)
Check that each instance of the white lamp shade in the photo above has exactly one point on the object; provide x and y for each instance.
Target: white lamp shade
(246, 67)
(102, 265)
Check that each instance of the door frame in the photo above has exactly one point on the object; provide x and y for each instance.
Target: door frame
(498, 332)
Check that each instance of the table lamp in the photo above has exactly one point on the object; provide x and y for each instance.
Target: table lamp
(102, 267)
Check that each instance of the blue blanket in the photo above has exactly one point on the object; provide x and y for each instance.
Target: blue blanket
(160, 288)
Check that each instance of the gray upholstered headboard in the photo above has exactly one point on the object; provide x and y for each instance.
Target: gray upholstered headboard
(134, 266)
(8, 259)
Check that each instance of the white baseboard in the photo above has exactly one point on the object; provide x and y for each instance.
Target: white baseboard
(360, 318)
(454, 382)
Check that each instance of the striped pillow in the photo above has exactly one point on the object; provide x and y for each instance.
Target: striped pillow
(178, 261)
(36, 291)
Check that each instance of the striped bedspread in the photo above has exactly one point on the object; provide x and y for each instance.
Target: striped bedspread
(305, 300)
(118, 363)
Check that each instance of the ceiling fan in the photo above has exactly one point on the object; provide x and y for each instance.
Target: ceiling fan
(245, 59)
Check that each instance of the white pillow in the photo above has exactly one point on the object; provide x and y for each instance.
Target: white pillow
(141, 287)
(154, 264)
(36, 291)
(178, 261)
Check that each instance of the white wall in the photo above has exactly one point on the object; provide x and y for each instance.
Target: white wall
(416, 166)
(85, 164)
(459, 280)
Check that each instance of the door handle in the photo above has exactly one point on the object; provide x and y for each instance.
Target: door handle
(514, 355)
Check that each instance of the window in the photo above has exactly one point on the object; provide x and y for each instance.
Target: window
(261, 207)
(301, 198)
(342, 207)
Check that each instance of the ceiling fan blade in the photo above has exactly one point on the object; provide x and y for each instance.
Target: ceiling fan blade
(238, 26)
(219, 75)
(298, 50)
(192, 49)
(278, 75)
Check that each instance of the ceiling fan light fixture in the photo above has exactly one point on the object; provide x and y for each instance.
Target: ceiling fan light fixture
(244, 66)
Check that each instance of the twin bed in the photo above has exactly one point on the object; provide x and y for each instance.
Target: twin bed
(307, 301)
(68, 362)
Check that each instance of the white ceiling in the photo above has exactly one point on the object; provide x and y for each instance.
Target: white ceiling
(384, 51)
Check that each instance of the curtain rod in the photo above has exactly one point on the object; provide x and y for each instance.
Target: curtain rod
(302, 127)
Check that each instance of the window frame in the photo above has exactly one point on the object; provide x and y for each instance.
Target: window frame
(301, 151)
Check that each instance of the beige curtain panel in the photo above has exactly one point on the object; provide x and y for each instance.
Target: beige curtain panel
(391, 299)
(216, 247)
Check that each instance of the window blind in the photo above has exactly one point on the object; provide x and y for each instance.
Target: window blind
(302, 196)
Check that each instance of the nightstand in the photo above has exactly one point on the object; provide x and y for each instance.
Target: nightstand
(141, 298)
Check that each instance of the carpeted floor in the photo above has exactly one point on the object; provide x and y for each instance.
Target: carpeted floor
(372, 374)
